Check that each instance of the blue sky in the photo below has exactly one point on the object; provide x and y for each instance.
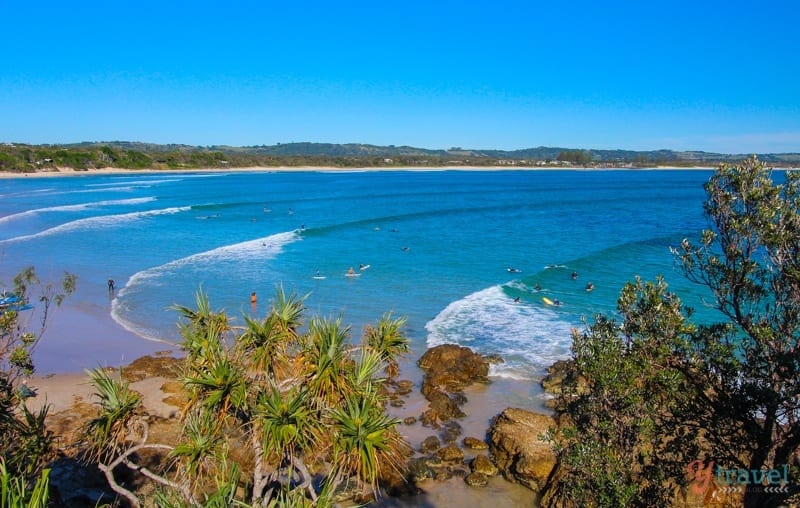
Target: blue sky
(713, 76)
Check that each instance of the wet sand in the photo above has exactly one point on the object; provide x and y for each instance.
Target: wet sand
(81, 338)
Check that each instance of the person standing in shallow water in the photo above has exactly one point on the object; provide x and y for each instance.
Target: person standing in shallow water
(111, 285)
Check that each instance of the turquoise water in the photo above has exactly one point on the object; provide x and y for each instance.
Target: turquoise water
(438, 245)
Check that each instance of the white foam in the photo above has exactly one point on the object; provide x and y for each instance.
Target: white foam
(98, 222)
(145, 183)
(527, 336)
(76, 207)
(260, 248)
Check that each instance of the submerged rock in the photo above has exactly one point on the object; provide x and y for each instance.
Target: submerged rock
(474, 443)
(430, 444)
(476, 480)
(451, 453)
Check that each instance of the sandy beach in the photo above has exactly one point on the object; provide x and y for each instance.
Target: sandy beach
(82, 335)
(124, 171)
(63, 385)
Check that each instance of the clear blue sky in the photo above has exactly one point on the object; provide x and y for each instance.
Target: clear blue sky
(686, 75)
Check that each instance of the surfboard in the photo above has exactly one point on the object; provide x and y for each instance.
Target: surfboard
(547, 301)
(352, 275)
(319, 277)
(362, 268)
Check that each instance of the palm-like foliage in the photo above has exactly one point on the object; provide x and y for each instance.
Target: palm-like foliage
(286, 423)
(27, 444)
(15, 492)
(204, 329)
(326, 352)
(288, 310)
(201, 446)
(226, 482)
(367, 439)
(118, 404)
(262, 343)
(388, 340)
(219, 387)
(281, 387)
(362, 375)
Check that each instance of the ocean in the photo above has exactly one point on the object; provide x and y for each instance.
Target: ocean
(466, 256)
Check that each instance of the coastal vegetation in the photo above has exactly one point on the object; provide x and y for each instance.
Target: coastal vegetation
(26, 445)
(301, 414)
(23, 158)
(657, 404)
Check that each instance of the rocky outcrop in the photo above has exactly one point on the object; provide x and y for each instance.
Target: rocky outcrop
(452, 368)
(448, 370)
(152, 366)
(562, 374)
(517, 448)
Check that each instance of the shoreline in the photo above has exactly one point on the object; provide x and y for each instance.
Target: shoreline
(69, 391)
(325, 169)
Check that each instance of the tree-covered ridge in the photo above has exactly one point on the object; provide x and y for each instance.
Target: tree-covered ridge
(137, 155)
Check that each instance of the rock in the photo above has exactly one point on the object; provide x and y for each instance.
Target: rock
(563, 373)
(441, 409)
(430, 444)
(451, 367)
(459, 398)
(419, 469)
(494, 359)
(476, 480)
(450, 432)
(397, 484)
(460, 473)
(482, 464)
(442, 475)
(404, 387)
(410, 420)
(451, 453)
(518, 451)
(151, 366)
(474, 443)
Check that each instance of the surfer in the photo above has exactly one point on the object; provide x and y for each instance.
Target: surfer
(253, 298)
(589, 286)
(351, 271)
(574, 275)
(111, 285)
(557, 302)
(516, 300)
(537, 287)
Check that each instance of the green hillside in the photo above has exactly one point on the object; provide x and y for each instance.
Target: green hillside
(16, 157)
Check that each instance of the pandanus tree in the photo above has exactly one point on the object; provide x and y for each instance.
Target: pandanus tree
(295, 399)
(387, 338)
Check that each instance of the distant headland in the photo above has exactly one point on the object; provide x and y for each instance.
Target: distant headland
(26, 158)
